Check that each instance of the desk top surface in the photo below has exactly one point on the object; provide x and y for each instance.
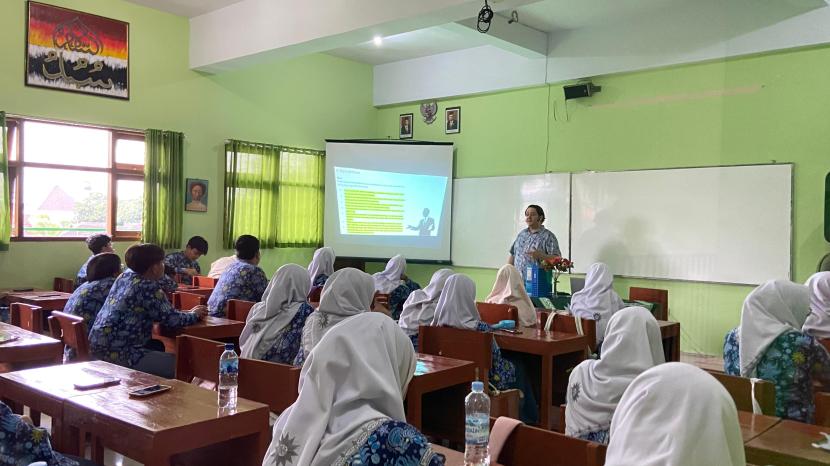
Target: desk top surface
(793, 440)
(753, 425)
(59, 381)
(429, 364)
(453, 458)
(35, 295)
(24, 338)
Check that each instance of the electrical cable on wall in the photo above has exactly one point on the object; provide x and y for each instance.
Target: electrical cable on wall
(484, 17)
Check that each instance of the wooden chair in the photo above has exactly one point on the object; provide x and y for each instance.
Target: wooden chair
(469, 345)
(72, 331)
(822, 400)
(652, 295)
(185, 301)
(825, 342)
(197, 358)
(566, 323)
(532, 446)
(740, 389)
(239, 309)
(204, 282)
(314, 295)
(495, 313)
(26, 316)
(66, 285)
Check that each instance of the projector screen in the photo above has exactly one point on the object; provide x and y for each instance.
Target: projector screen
(389, 197)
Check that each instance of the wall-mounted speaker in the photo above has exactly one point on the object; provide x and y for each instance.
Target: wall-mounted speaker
(577, 91)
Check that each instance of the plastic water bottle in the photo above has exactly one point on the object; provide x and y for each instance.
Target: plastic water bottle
(228, 375)
(477, 427)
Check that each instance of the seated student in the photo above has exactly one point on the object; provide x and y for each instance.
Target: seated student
(96, 243)
(321, 266)
(350, 409)
(675, 414)
(597, 300)
(510, 289)
(457, 308)
(347, 292)
(818, 322)
(242, 280)
(419, 308)
(769, 345)
(184, 262)
(394, 282)
(124, 326)
(218, 267)
(275, 324)
(632, 345)
(88, 298)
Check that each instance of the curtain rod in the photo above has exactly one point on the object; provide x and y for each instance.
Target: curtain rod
(296, 150)
(76, 123)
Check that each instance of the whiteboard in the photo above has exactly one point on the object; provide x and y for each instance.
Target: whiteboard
(488, 213)
(714, 224)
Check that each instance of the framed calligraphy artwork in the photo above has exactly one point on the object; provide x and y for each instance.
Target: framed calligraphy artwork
(74, 51)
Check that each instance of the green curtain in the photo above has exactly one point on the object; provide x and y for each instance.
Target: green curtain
(5, 206)
(163, 188)
(274, 193)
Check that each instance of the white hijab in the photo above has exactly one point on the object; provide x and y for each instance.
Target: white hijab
(347, 292)
(358, 373)
(818, 322)
(510, 289)
(390, 278)
(597, 300)
(419, 307)
(285, 293)
(218, 267)
(675, 414)
(321, 263)
(457, 305)
(772, 309)
(632, 345)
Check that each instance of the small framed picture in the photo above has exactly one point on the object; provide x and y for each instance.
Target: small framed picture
(452, 120)
(196, 196)
(406, 126)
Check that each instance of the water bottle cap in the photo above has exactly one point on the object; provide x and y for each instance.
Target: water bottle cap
(478, 386)
(229, 346)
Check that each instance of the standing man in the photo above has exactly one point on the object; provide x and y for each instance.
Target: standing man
(533, 244)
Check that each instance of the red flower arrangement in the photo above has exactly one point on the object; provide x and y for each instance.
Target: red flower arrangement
(558, 265)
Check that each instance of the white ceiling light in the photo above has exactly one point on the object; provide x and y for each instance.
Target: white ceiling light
(378, 40)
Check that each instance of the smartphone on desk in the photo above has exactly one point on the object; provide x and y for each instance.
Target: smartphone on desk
(96, 383)
(149, 390)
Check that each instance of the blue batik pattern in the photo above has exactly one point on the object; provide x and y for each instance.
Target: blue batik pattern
(502, 373)
(398, 296)
(22, 444)
(287, 345)
(542, 240)
(80, 278)
(179, 262)
(240, 281)
(599, 436)
(125, 323)
(393, 443)
(85, 302)
(319, 280)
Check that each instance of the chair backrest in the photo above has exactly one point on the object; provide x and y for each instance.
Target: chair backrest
(740, 389)
(652, 295)
(531, 446)
(314, 294)
(567, 323)
(204, 282)
(239, 309)
(197, 357)
(26, 316)
(276, 385)
(182, 300)
(72, 331)
(825, 342)
(495, 313)
(65, 285)
(822, 400)
(467, 345)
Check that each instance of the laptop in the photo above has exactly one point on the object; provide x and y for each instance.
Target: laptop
(577, 283)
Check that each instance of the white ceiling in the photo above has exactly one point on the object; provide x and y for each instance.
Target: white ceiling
(186, 8)
(408, 45)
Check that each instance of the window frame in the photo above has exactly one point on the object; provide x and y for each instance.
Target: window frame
(114, 170)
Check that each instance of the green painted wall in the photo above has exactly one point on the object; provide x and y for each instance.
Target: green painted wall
(298, 103)
(747, 110)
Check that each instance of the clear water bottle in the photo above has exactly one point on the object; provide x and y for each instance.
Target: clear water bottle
(477, 427)
(228, 375)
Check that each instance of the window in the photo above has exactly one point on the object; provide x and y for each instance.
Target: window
(70, 181)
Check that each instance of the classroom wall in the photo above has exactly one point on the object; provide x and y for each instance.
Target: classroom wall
(298, 103)
(739, 111)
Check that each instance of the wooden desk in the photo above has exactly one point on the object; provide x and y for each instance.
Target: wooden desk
(454, 458)
(670, 332)
(48, 300)
(788, 443)
(211, 328)
(440, 384)
(30, 349)
(160, 429)
(703, 361)
(206, 292)
(45, 389)
(753, 425)
(552, 379)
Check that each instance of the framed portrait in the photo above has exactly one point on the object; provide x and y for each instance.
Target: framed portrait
(405, 124)
(74, 51)
(452, 120)
(196, 196)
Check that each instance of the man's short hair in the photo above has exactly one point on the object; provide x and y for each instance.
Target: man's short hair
(246, 247)
(140, 257)
(198, 243)
(97, 242)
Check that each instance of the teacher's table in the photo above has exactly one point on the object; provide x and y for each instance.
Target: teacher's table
(211, 328)
(180, 426)
(568, 349)
(25, 348)
(435, 396)
(45, 389)
(788, 443)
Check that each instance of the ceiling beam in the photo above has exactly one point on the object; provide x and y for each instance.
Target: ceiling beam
(517, 38)
(254, 31)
